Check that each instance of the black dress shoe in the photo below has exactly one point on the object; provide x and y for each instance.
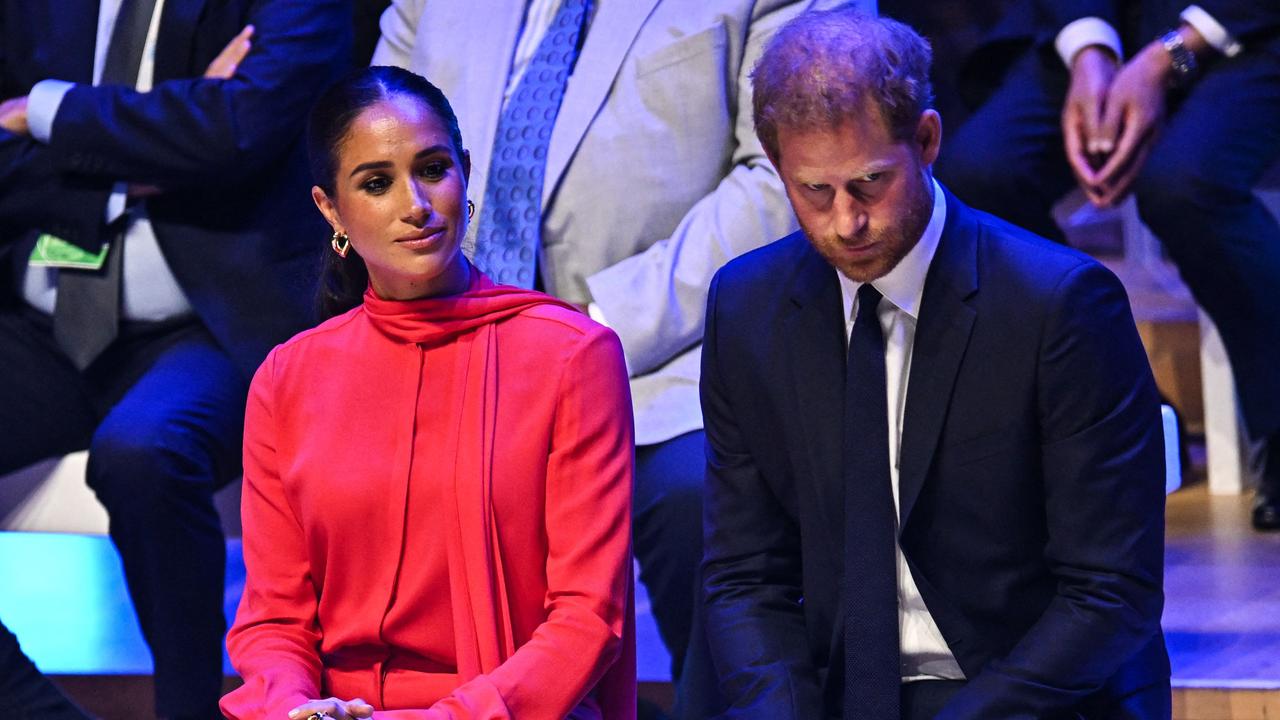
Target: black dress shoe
(1266, 511)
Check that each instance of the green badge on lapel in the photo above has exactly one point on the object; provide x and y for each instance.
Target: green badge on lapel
(54, 252)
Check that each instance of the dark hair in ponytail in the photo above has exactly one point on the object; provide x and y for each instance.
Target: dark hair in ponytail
(343, 280)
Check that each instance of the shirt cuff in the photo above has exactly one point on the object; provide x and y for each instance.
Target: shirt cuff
(42, 106)
(1218, 37)
(117, 202)
(594, 311)
(1080, 34)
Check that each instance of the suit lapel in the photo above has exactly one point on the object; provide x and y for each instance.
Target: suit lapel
(609, 38)
(178, 22)
(484, 30)
(815, 343)
(942, 335)
(62, 39)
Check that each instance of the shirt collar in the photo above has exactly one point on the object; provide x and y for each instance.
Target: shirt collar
(904, 284)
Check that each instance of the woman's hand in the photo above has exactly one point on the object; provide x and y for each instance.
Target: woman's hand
(332, 708)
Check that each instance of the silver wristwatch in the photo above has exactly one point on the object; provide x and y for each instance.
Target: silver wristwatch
(1183, 60)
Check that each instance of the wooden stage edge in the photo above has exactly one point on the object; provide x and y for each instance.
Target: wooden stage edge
(1225, 704)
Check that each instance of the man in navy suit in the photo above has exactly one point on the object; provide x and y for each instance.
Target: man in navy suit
(123, 130)
(935, 469)
(1176, 102)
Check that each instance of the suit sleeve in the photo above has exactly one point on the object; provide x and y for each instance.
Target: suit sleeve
(275, 639)
(589, 624)
(399, 26)
(32, 191)
(1053, 15)
(1103, 466)
(197, 132)
(1246, 20)
(751, 568)
(655, 299)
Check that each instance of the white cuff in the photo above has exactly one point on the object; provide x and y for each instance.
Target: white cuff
(1218, 37)
(42, 106)
(1080, 34)
(594, 311)
(117, 202)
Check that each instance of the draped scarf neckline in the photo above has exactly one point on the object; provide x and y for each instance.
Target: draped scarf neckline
(462, 328)
(434, 321)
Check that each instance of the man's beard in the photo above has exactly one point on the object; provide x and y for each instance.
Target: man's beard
(894, 241)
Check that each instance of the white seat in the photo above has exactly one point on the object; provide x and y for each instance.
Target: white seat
(51, 496)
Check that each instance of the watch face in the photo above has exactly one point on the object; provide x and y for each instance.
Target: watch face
(1181, 59)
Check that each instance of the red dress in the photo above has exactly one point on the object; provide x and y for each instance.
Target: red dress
(436, 514)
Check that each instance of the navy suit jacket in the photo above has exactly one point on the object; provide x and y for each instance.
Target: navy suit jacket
(235, 221)
(1031, 480)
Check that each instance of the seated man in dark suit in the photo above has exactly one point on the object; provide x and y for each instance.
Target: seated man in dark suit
(1188, 125)
(935, 465)
(157, 239)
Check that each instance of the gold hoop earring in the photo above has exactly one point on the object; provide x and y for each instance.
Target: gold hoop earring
(471, 210)
(340, 243)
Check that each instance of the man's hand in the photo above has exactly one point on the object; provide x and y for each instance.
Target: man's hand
(13, 112)
(1135, 111)
(13, 115)
(332, 708)
(1086, 145)
(228, 61)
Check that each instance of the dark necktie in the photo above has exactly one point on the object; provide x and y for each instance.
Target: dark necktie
(86, 316)
(872, 676)
(510, 228)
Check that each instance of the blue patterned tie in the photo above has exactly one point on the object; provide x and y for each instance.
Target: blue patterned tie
(510, 225)
(871, 647)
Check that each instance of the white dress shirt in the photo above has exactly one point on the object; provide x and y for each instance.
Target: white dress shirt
(148, 289)
(924, 653)
(537, 19)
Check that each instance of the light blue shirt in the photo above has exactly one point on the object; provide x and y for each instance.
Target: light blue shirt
(149, 291)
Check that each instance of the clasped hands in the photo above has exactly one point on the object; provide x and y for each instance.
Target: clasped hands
(13, 112)
(333, 709)
(1113, 114)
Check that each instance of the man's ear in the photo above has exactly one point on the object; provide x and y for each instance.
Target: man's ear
(928, 136)
(326, 207)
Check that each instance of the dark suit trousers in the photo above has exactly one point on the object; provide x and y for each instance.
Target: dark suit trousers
(1195, 193)
(161, 412)
(24, 691)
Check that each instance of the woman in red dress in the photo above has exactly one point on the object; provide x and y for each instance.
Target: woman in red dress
(437, 480)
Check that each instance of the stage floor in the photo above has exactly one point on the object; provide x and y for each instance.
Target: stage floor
(66, 601)
(1222, 593)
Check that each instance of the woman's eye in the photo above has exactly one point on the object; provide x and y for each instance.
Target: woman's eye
(434, 171)
(376, 185)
